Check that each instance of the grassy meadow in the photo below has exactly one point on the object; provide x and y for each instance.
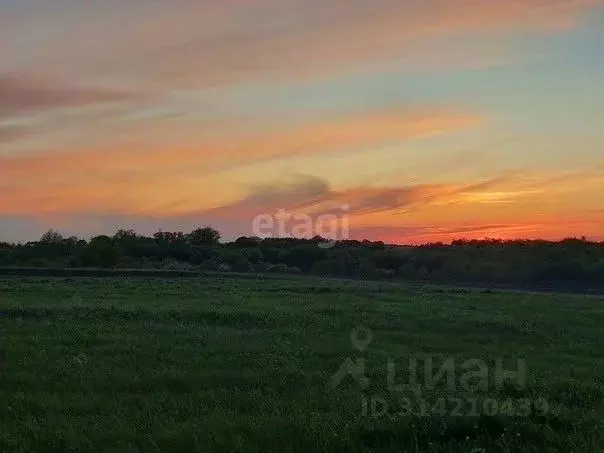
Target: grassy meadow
(221, 364)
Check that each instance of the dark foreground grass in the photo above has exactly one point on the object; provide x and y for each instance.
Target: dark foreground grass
(223, 365)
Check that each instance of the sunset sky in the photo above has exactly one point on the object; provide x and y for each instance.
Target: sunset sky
(430, 119)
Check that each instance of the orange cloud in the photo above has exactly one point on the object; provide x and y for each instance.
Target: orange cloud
(207, 43)
(56, 180)
(412, 214)
(508, 206)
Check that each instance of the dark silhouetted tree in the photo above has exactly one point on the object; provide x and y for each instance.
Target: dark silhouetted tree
(51, 237)
(204, 236)
(101, 252)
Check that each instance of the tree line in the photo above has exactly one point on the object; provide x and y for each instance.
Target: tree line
(489, 260)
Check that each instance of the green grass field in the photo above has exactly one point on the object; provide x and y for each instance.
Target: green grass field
(228, 365)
